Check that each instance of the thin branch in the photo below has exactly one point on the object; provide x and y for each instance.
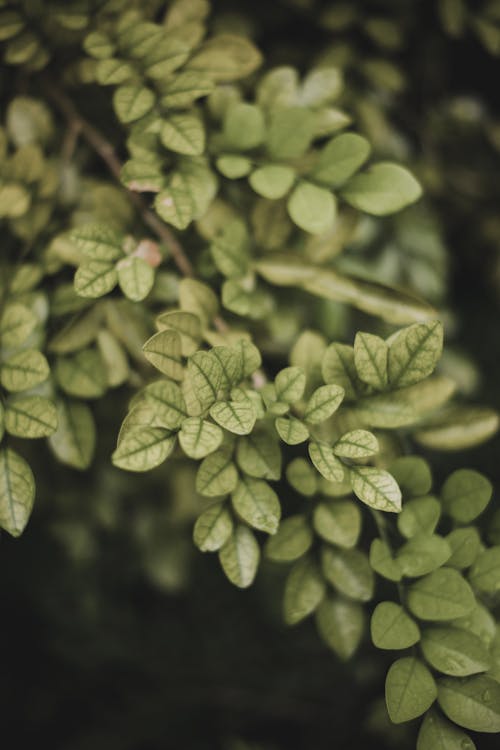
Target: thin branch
(105, 150)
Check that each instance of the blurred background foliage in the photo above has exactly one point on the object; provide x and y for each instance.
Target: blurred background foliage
(117, 633)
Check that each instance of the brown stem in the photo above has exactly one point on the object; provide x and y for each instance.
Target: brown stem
(107, 153)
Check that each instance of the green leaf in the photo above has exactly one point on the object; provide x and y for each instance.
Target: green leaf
(259, 455)
(135, 277)
(272, 181)
(356, 444)
(226, 57)
(304, 590)
(141, 176)
(217, 475)
(131, 102)
(376, 487)
(302, 477)
(240, 556)
(236, 416)
(14, 200)
(410, 690)
(24, 370)
(442, 595)
(198, 298)
(370, 358)
(163, 350)
(340, 624)
(436, 733)
(292, 540)
(458, 428)
(455, 652)
(229, 249)
(198, 437)
(340, 159)
(338, 367)
(175, 204)
(213, 528)
(205, 371)
(323, 403)
(244, 126)
(95, 278)
(422, 554)
(165, 57)
(392, 628)
(16, 325)
(413, 475)
(30, 417)
(251, 359)
(338, 522)
(98, 242)
(464, 544)
(74, 440)
(291, 130)
(349, 571)
(17, 492)
(321, 85)
(419, 516)
(167, 401)
(292, 431)
(188, 327)
(290, 384)
(143, 449)
(312, 208)
(471, 702)
(414, 352)
(325, 462)
(485, 573)
(383, 562)
(113, 71)
(231, 362)
(465, 495)
(382, 189)
(184, 134)
(183, 89)
(233, 166)
(257, 504)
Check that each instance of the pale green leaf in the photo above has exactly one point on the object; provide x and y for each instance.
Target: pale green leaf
(114, 358)
(302, 477)
(16, 324)
(291, 430)
(259, 455)
(184, 134)
(95, 278)
(24, 370)
(257, 504)
(312, 208)
(356, 444)
(206, 374)
(30, 417)
(323, 403)
(184, 88)
(98, 242)
(410, 690)
(338, 522)
(74, 440)
(338, 368)
(213, 528)
(236, 416)
(414, 352)
(340, 624)
(226, 57)
(349, 572)
(370, 358)
(217, 475)
(243, 126)
(233, 166)
(290, 132)
(135, 277)
(392, 628)
(186, 324)
(251, 359)
(143, 449)
(131, 102)
(485, 573)
(340, 159)
(290, 384)
(231, 362)
(304, 590)
(240, 556)
(229, 249)
(413, 475)
(419, 516)
(321, 86)
(14, 200)
(272, 181)
(174, 204)
(326, 462)
(163, 350)
(422, 554)
(292, 540)
(465, 545)
(198, 298)
(442, 595)
(198, 437)
(455, 652)
(17, 492)
(471, 702)
(113, 72)
(458, 428)
(436, 733)
(465, 495)
(166, 399)
(383, 562)
(376, 487)
(382, 189)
